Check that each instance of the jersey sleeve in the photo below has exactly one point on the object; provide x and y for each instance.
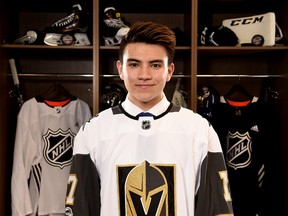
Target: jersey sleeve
(24, 154)
(213, 196)
(83, 191)
(83, 112)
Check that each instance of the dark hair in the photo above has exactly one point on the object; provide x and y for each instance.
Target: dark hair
(150, 33)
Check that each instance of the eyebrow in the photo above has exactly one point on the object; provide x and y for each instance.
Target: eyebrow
(132, 59)
(152, 61)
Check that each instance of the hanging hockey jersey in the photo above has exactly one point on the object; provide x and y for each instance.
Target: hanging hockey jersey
(127, 164)
(43, 154)
(241, 128)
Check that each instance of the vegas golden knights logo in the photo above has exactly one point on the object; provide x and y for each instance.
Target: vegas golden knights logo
(146, 190)
(58, 147)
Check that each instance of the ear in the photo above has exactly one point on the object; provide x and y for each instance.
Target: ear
(171, 69)
(120, 69)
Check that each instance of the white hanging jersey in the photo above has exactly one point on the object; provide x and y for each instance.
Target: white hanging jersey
(43, 154)
(169, 164)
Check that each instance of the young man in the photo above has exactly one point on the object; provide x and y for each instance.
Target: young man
(147, 156)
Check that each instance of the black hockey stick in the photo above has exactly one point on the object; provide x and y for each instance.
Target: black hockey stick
(16, 82)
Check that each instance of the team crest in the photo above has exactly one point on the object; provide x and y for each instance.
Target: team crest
(146, 124)
(58, 147)
(239, 147)
(146, 189)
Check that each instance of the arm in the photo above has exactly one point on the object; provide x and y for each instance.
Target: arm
(83, 191)
(213, 196)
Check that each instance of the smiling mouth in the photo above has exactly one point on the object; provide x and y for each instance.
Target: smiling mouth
(144, 86)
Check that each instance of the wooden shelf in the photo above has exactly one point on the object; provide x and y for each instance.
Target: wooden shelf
(239, 50)
(17, 46)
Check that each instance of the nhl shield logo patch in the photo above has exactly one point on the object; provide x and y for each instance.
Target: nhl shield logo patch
(239, 147)
(146, 124)
(58, 147)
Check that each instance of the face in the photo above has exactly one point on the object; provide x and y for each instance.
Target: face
(145, 71)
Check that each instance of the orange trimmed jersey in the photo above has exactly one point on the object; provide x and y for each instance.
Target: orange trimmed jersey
(43, 154)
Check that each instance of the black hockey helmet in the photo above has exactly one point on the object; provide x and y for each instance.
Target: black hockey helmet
(218, 36)
(113, 95)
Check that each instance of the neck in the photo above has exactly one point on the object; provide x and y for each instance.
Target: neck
(146, 105)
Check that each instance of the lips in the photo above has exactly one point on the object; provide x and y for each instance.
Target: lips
(144, 86)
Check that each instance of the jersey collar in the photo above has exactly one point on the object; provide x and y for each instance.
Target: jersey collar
(134, 110)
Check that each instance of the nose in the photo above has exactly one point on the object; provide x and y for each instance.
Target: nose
(144, 73)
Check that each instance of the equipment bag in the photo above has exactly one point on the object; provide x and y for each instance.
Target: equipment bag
(259, 30)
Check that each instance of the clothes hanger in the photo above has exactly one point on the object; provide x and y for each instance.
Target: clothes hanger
(238, 93)
(56, 92)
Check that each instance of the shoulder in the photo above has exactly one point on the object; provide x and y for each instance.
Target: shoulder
(30, 102)
(81, 102)
(187, 118)
(99, 119)
(29, 108)
(190, 114)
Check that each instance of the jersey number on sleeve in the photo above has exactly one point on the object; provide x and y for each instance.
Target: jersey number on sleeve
(224, 178)
(72, 181)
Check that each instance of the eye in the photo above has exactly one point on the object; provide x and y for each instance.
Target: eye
(133, 65)
(156, 65)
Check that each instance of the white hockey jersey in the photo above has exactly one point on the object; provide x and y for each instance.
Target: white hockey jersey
(43, 154)
(167, 164)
